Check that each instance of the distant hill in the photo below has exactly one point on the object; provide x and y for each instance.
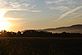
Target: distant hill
(71, 29)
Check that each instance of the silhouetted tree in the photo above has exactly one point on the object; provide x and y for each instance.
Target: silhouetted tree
(38, 33)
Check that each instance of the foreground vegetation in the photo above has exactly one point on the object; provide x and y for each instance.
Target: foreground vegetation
(39, 46)
(34, 46)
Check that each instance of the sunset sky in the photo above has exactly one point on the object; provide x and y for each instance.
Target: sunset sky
(35, 14)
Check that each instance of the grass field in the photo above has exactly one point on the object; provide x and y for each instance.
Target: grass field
(39, 46)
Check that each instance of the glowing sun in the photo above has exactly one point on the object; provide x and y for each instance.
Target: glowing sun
(4, 23)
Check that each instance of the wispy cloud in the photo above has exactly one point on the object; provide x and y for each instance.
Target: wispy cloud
(61, 8)
(36, 11)
(69, 12)
(80, 15)
(6, 5)
(13, 5)
(53, 1)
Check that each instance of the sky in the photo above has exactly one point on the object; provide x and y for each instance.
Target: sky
(37, 14)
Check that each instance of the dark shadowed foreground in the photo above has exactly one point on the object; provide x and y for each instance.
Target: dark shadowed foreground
(33, 42)
(39, 46)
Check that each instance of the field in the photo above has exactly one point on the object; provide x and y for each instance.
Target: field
(39, 46)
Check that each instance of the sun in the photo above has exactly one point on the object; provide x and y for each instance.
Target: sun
(4, 23)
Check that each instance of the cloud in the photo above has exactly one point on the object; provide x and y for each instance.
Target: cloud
(69, 12)
(36, 11)
(61, 8)
(16, 5)
(8, 5)
(53, 1)
(13, 5)
(80, 15)
(22, 14)
(68, 3)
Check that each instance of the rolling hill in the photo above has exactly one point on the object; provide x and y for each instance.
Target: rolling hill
(70, 29)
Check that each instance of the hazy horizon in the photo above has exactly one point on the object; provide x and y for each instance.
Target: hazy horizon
(17, 15)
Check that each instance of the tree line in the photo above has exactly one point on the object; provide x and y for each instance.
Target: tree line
(37, 33)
